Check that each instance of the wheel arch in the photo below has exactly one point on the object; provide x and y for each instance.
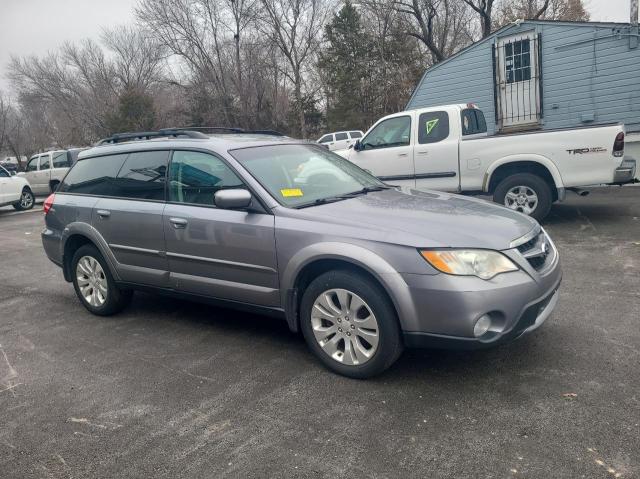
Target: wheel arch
(78, 234)
(535, 164)
(312, 261)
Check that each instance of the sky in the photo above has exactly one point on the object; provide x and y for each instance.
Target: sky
(33, 27)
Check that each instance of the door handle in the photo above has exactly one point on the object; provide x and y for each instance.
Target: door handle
(103, 213)
(402, 154)
(178, 223)
(422, 152)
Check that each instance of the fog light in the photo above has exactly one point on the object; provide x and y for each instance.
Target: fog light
(482, 325)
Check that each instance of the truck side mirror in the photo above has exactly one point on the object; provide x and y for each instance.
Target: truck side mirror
(357, 146)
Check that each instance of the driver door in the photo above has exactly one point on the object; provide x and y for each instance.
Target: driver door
(387, 151)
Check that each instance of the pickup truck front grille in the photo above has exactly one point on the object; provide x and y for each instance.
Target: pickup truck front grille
(538, 251)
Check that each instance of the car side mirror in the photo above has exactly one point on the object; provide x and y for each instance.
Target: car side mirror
(232, 199)
(12, 173)
(357, 146)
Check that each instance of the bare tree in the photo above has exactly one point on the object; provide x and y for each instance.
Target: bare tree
(294, 26)
(484, 9)
(442, 25)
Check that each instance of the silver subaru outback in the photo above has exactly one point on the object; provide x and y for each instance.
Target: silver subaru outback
(288, 228)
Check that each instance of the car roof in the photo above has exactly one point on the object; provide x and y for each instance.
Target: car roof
(216, 142)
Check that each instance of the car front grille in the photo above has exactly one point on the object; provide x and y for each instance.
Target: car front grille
(538, 251)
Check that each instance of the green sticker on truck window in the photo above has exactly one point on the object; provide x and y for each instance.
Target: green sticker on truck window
(431, 124)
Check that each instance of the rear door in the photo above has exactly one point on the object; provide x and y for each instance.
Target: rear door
(40, 185)
(215, 252)
(129, 215)
(387, 151)
(436, 151)
(5, 179)
(342, 141)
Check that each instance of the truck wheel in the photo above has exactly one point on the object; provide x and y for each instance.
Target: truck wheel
(27, 200)
(526, 193)
(94, 284)
(350, 324)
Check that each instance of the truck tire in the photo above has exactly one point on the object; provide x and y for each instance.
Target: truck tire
(525, 192)
(27, 200)
(350, 324)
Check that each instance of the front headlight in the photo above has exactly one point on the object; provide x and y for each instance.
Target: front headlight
(484, 264)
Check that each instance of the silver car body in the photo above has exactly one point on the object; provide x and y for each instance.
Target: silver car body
(258, 260)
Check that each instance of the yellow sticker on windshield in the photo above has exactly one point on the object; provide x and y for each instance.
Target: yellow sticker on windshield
(291, 192)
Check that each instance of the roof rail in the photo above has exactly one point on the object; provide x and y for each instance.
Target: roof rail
(229, 129)
(146, 135)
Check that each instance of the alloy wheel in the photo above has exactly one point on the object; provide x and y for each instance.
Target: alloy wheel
(345, 327)
(522, 199)
(26, 200)
(92, 281)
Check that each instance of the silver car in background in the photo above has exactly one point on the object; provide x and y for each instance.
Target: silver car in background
(287, 228)
(45, 171)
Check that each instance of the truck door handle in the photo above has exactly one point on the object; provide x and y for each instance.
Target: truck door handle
(103, 213)
(422, 152)
(402, 154)
(178, 223)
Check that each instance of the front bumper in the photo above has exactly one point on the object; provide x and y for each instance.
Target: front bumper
(449, 306)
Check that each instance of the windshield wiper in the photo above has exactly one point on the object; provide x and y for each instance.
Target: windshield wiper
(346, 196)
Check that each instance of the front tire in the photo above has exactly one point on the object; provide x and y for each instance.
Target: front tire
(525, 192)
(27, 200)
(94, 284)
(350, 324)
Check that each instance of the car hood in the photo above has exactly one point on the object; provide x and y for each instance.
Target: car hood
(424, 218)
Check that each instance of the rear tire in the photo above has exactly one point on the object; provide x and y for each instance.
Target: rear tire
(525, 192)
(27, 200)
(360, 338)
(94, 284)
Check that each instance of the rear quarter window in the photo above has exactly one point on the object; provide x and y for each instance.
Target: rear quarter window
(473, 122)
(94, 176)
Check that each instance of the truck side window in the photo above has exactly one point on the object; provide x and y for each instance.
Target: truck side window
(389, 133)
(473, 122)
(433, 127)
(60, 160)
(326, 139)
(33, 164)
(341, 136)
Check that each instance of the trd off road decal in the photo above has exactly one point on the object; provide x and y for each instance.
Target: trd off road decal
(431, 124)
(581, 151)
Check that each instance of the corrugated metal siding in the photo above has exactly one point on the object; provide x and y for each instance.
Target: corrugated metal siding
(600, 78)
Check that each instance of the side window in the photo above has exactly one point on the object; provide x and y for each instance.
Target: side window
(4, 173)
(355, 134)
(45, 162)
(392, 132)
(94, 176)
(195, 177)
(433, 127)
(32, 165)
(473, 122)
(341, 136)
(60, 160)
(143, 175)
(326, 139)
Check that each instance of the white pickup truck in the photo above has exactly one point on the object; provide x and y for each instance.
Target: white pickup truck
(447, 148)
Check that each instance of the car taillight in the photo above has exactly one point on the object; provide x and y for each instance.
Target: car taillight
(48, 203)
(618, 145)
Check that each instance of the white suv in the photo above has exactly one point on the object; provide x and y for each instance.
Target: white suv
(45, 171)
(340, 140)
(15, 190)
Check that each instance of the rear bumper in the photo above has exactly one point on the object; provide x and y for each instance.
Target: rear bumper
(626, 172)
(51, 243)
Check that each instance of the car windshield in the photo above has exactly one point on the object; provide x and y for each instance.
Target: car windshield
(305, 175)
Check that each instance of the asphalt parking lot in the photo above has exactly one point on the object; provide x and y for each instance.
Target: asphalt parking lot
(177, 389)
